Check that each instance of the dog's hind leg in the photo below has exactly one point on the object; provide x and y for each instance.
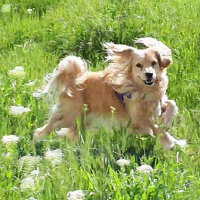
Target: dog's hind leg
(63, 115)
(55, 121)
(59, 119)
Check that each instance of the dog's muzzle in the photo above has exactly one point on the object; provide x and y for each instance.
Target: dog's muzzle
(150, 79)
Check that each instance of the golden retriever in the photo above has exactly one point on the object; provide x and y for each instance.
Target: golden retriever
(132, 88)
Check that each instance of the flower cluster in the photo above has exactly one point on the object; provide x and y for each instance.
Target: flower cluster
(6, 8)
(30, 181)
(29, 11)
(27, 183)
(28, 162)
(10, 139)
(123, 162)
(30, 83)
(40, 92)
(18, 110)
(145, 169)
(75, 195)
(54, 156)
(17, 72)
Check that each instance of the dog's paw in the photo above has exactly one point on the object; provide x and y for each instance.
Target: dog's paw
(38, 134)
(181, 143)
(70, 133)
(168, 141)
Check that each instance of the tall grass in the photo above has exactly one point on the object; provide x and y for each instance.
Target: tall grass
(37, 41)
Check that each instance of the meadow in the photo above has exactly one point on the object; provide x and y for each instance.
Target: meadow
(35, 35)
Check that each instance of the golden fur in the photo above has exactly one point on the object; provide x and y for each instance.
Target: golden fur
(139, 72)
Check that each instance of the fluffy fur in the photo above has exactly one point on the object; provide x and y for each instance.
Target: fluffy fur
(140, 72)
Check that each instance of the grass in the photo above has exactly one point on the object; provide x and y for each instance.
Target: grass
(56, 28)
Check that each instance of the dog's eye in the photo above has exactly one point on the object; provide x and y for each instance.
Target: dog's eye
(139, 65)
(154, 63)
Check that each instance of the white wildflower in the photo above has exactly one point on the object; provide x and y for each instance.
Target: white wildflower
(38, 94)
(18, 110)
(30, 83)
(17, 72)
(75, 195)
(122, 162)
(29, 11)
(27, 183)
(6, 155)
(10, 139)
(180, 191)
(43, 177)
(145, 169)
(6, 8)
(35, 173)
(28, 161)
(54, 156)
(27, 44)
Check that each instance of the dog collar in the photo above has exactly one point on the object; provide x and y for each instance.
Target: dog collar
(122, 95)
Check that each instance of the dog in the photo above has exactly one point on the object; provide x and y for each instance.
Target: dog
(132, 88)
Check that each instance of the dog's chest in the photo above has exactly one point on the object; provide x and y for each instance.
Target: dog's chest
(143, 104)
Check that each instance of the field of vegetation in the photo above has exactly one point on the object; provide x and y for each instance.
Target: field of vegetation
(34, 36)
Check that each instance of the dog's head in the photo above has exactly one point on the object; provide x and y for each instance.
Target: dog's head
(147, 66)
(141, 66)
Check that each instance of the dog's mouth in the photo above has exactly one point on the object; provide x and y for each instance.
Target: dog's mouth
(148, 82)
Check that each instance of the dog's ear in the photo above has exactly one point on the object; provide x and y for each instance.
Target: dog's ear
(163, 53)
(118, 53)
(163, 61)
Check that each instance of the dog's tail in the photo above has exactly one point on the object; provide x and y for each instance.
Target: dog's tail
(66, 77)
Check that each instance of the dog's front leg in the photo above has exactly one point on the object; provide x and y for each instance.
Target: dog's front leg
(140, 119)
(166, 139)
(170, 110)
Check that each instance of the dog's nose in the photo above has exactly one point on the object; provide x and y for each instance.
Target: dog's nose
(149, 75)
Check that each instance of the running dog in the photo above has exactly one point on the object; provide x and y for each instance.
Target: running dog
(134, 84)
